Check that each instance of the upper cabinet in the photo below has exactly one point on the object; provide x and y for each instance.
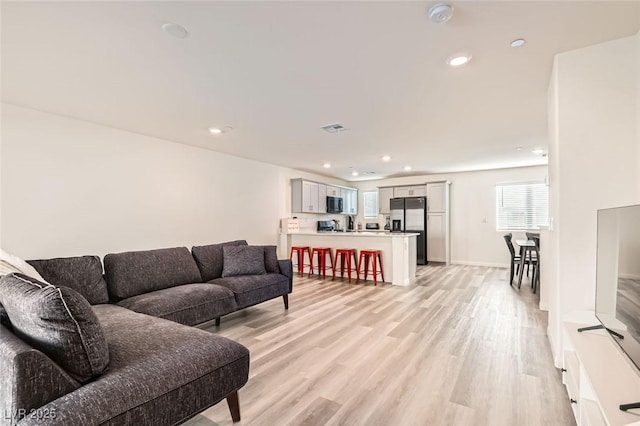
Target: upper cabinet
(384, 200)
(410, 191)
(311, 197)
(350, 201)
(436, 197)
(304, 196)
(334, 191)
(322, 198)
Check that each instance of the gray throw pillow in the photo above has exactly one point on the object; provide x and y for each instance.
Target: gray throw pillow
(270, 259)
(58, 322)
(242, 260)
(209, 258)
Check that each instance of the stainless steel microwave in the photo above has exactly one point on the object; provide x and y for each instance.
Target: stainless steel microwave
(334, 205)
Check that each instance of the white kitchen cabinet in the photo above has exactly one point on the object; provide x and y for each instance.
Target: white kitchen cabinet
(436, 237)
(437, 197)
(384, 200)
(334, 191)
(311, 197)
(410, 191)
(322, 198)
(350, 197)
(304, 196)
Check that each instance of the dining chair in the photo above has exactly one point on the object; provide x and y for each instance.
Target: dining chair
(530, 259)
(515, 258)
(535, 281)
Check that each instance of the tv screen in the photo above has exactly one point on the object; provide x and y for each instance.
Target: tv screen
(618, 277)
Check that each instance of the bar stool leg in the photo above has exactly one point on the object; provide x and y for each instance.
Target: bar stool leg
(380, 261)
(375, 270)
(355, 259)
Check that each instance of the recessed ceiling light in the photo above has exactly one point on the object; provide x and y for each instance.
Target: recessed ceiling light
(518, 42)
(215, 130)
(538, 151)
(386, 158)
(175, 30)
(458, 59)
(326, 165)
(354, 173)
(407, 168)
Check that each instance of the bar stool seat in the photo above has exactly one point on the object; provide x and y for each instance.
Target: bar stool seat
(342, 255)
(375, 256)
(300, 251)
(322, 253)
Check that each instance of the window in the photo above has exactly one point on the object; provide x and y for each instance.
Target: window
(370, 204)
(521, 206)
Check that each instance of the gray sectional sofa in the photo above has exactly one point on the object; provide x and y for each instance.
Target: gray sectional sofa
(115, 348)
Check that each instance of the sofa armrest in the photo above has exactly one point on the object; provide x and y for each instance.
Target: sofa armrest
(286, 269)
(28, 379)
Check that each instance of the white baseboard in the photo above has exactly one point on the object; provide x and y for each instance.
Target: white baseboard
(490, 264)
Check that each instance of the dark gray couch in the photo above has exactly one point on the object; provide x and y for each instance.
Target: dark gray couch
(159, 372)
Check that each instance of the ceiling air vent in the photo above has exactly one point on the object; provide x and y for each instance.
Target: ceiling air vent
(334, 128)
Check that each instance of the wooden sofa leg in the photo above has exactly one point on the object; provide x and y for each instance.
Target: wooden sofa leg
(234, 406)
(218, 322)
(286, 301)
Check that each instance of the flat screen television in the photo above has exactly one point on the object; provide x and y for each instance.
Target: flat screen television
(618, 277)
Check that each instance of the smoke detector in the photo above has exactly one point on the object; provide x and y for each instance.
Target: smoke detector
(441, 13)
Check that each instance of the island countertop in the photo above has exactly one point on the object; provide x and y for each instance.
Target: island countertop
(399, 249)
(365, 234)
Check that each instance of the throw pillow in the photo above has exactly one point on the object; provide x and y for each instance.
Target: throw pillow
(209, 258)
(242, 260)
(10, 263)
(58, 322)
(270, 259)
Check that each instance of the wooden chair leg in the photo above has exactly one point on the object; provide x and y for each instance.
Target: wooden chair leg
(381, 270)
(234, 406)
(286, 301)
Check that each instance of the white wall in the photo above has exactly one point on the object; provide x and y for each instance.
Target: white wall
(474, 239)
(70, 187)
(594, 141)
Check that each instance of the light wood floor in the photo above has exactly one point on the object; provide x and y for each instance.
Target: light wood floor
(460, 347)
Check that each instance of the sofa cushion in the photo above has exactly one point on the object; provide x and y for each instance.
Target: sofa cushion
(81, 273)
(209, 258)
(161, 373)
(57, 321)
(187, 304)
(252, 289)
(4, 318)
(137, 272)
(243, 260)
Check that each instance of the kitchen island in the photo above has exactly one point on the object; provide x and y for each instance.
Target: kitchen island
(398, 249)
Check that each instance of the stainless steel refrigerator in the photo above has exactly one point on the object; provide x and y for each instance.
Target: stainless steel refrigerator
(410, 215)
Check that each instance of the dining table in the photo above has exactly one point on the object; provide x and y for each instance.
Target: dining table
(526, 247)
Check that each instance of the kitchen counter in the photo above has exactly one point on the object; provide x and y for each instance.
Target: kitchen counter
(370, 233)
(398, 249)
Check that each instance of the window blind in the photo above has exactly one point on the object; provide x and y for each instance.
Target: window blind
(370, 204)
(521, 206)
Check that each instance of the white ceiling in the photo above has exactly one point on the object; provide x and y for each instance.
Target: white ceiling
(277, 71)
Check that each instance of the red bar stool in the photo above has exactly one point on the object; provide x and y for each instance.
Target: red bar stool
(376, 258)
(322, 260)
(300, 251)
(343, 254)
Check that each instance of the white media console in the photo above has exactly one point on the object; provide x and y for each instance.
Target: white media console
(598, 375)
